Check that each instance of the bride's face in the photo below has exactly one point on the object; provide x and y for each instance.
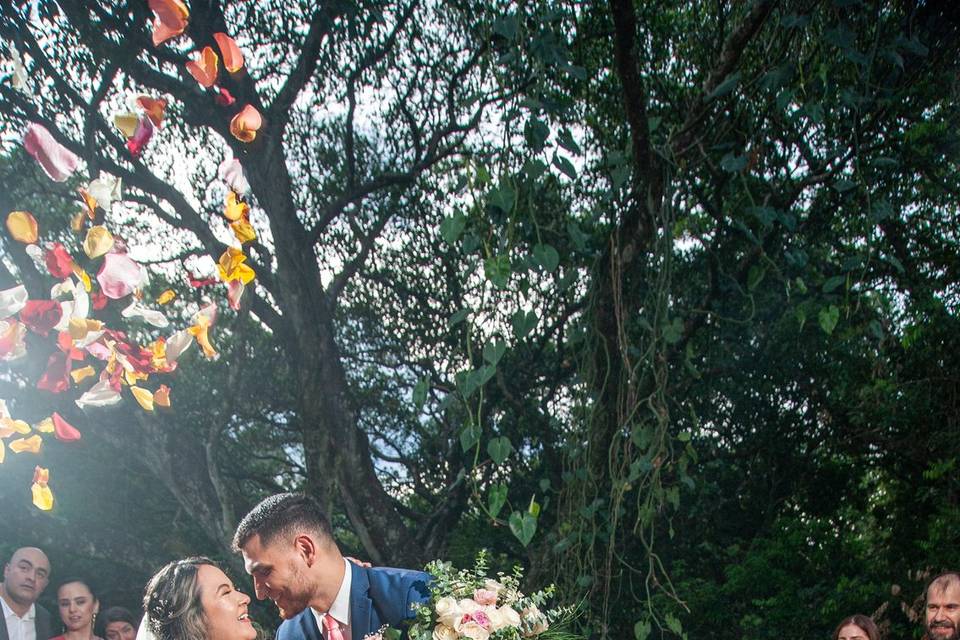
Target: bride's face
(224, 608)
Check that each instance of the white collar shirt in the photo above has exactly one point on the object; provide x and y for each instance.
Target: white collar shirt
(340, 609)
(18, 628)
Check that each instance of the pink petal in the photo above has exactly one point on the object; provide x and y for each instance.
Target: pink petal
(57, 161)
(119, 276)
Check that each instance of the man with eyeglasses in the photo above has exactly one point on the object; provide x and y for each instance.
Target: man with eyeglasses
(25, 577)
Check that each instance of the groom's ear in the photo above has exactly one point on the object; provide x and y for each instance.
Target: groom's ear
(306, 548)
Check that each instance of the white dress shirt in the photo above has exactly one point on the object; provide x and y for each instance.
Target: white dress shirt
(340, 609)
(18, 628)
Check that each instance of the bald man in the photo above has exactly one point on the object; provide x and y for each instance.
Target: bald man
(25, 577)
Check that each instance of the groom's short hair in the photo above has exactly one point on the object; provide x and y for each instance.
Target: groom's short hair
(283, 514)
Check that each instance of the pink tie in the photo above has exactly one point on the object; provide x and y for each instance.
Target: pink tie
(333, 628)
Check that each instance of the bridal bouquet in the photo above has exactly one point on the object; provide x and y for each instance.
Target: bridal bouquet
(470, 604)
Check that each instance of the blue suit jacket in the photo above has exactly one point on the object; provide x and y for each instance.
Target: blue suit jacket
(378, 596)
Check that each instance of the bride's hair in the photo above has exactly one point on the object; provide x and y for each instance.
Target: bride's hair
(172, 602)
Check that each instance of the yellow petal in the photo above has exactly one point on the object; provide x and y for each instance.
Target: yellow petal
(127, 123)
(234, 209)
(199, 331)
(98, 242)
(42, 496)
(76, 222)
(79, 375)
(133, 377)
(166, 297)
(143, 397)
(80, 327)
(243, 231)
(45, 425)
(11, 426)
(31, 444)
(23, 227)
(84, 278)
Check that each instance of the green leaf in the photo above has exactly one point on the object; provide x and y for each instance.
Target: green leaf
(452, 227)
(523, 526)
(673, 623)
(564, 166)
(499, 449)
(469, 437)
(674, 331)
(567, 142)
(755, 276)
(494, 350)
(496, 498)
(458, 317)
(420, 392)
(733, 163)
(683, 436)
(843, 185)
(507, 26)
(546, 256)
(523, 323)
(577, 235)
(725, 87)
(536, 133)
(832, 283)
(828, 319)
(641, 630)
(503, 197)
(497, 270)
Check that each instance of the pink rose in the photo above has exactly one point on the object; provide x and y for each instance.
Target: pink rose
(485, 597)
(481, 619)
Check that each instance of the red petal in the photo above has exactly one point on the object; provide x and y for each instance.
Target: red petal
(64, 431)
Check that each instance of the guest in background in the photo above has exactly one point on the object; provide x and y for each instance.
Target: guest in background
(78, 609)
(856, 627)
(942, 619)
(119, 624)
(25, 576)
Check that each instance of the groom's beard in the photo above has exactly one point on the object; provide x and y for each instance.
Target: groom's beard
(294, 598)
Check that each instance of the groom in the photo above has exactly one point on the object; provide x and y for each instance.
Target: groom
(288, 548)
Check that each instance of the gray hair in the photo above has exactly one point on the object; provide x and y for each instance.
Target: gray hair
(172, 602)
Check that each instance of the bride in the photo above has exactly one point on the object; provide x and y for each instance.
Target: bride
(192, 599)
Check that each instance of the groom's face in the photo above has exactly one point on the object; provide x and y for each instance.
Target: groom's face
(279, 573)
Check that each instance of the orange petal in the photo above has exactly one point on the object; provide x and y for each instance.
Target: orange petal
(166, 297)
(243, 231)
(42, 496)
(30, 445)
(199, 331)
(41, 475)
(89, 202)
(9, 426)
(171, 19)
(22, 227)
(153, 107)
(161, 397)
(232, 58)
(45, 425)
(98, 242)
(144, 398)
(204, 68)
(3, 451)
(79, 375)
(235, 208)
(245, 124)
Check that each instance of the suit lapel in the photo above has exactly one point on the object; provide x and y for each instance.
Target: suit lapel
(360, 609)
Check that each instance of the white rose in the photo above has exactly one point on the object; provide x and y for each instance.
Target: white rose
(448, 613)
(468, 606)
(496, 618)
(443, 632)
(493, 585)
(509, 616)
(471, 629)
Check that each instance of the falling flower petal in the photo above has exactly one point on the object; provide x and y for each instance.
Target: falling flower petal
(166, 297)
(150, 316)
(99, 300)
(56, 379)
(101, 394)
(154, 108)
(98, 242)
(119, 276)
(79, 328)
(79, 375)
(199, 330)
(243, 231)
(231, 266)
(106, 188)
(245, 124)
(27, 445)
(12, 340)
(235, 209)
(3, 451)
(20, 79)
(12, 301)
(177, 344)
(22, 227)
(42, 496)
(59, 261)
(140, 138)
(40, 316)
(232, 58)
(171, 19)
(64, 431)
(231, 172)
(143, 397)
(127, 123)
(57, 161)
(44, 426)
(234, 292)
(9, 426)
(204, 68)
(161, 396)
(224, 98)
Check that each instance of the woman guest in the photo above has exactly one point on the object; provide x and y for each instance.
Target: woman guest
(119, 624)
(856, 627)
(193, 599)
(78, 607)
